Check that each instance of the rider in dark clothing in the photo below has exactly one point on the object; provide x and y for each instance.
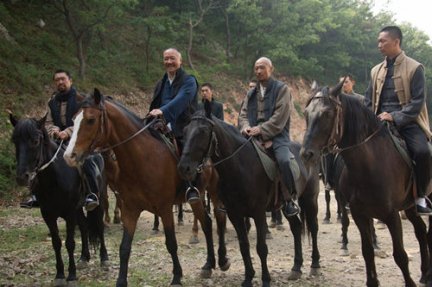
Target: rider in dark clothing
(59, 124)
(175, 98)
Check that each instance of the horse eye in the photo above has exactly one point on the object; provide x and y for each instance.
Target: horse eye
(91, 121)
(34, 142)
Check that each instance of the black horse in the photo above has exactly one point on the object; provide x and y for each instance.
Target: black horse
(246, 190)
(377, 181)
(58, 188)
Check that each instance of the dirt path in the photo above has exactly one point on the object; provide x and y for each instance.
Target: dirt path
(30, 262)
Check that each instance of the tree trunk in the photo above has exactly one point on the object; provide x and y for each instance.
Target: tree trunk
(228, 35)
(80, 56)
(189, 49)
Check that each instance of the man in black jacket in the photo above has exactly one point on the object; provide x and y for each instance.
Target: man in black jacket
(207, 94)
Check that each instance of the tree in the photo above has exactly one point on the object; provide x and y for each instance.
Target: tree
(81, 18)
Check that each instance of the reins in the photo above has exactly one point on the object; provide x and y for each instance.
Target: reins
(127, 139)
(43, 167)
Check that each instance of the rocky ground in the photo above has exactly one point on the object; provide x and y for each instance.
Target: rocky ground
(26, 256)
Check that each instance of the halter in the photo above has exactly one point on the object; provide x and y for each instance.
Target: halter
(338, 125)
(213, 147)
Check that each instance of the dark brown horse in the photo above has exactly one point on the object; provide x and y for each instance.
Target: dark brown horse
(148, 178)
(376, 181)
(246, 190)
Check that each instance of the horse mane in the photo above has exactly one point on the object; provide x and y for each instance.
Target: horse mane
(359, 121)
(232, 131)
(27, 127)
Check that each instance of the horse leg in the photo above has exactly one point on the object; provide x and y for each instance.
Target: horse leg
(327, 217)
(56, 243)
(310, 209)
(345, 224)
(394, 225)
(171, 244)
(117, 210)
(155, 228)
(107, 218)
(363, 224)
(261, 247)
(223, 262)
(85, 253)
(429, 240)
(129, 218)
(180, 221)
(240, 227)
(247, 224)
(296, 230)
(70, 247)
(422, 238)
(206, 226)
(194, 237)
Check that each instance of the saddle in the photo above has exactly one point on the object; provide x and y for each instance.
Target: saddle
(268, 161)
(161, 131)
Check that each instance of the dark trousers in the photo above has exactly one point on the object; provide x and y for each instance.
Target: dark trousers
(92, 170)
(417, 144)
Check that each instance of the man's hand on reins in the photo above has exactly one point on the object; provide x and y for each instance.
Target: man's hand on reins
(252, 131)
(156, 113)
(385, 117)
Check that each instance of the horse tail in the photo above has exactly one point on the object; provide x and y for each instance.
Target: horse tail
(96, 225)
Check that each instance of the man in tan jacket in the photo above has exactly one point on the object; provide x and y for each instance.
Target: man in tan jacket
(397, 94)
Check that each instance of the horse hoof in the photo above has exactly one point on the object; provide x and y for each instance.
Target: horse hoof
(380, 253)
(73, 283)
(315, 272)
(247, 283)
(226, 266)
(81, 264)
(58, 282)
(344, 252)
(155, 231)
(193, 240)
(294, 275)
(206, 273)
(105, 264)
(180, 223)
(280, 227)
(116, 221)
(326, 221)
(266, 284)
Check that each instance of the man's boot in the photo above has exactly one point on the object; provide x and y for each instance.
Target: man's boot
(192, 194)
(422, 208)
(290, 208)
(30, 203)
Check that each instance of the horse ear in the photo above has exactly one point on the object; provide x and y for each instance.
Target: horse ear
(336, 90)
(97, 96)
(314, 85)
(207, 108)
(13, 119)
(41, 122)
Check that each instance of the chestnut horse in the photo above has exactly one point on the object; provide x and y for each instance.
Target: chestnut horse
(147, 180)
(246, 190)
(376, 182)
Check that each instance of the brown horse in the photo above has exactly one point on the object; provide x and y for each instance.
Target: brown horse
(376, 182)
(148, 178)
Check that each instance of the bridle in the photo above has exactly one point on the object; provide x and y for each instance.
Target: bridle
(213, 147)
(40, 165)
(104, 128)
(338, 126)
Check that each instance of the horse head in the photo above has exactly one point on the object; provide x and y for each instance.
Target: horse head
(90, 131)
(324, 123)
(30, 139)
(199, 143)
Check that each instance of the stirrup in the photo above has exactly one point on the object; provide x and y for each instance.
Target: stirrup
(91, 203)
(194, 196)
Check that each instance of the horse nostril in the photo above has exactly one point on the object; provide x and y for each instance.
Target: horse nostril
(307, 154)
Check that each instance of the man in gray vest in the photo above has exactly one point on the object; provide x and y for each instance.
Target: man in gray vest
(265, 113)
(396, 94)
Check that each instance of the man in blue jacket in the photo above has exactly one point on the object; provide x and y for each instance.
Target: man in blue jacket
(175, 99)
